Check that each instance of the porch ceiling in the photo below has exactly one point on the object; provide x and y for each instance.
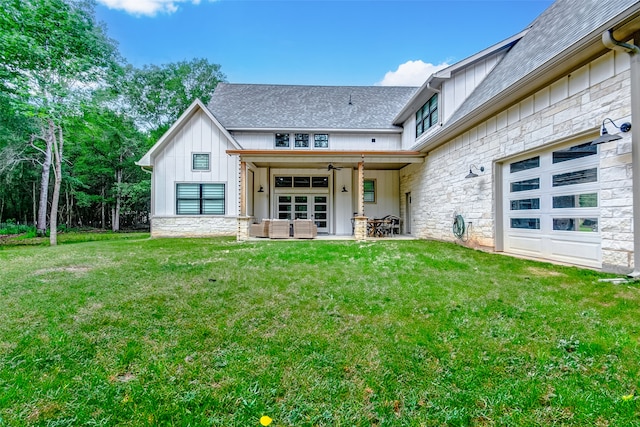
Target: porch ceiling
(373, 160)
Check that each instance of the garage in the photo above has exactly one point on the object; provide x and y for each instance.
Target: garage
(551, 205)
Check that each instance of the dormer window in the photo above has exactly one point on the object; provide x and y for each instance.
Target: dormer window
(427, 116)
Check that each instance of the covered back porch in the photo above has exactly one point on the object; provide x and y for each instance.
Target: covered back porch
(338, 191)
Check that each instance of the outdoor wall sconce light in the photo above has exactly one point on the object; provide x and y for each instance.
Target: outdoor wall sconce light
(604, 135)
(473, 175)
(344, 189)
(261, 190)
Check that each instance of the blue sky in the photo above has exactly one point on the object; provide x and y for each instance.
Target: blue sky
(316, 42)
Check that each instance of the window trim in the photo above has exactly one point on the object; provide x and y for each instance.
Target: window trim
(193, 159)
(201, 199)
(375, 188)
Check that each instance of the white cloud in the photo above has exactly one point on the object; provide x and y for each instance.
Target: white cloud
(411, 73)
(146, 7)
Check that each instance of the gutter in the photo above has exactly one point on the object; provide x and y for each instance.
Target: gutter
(333, 153)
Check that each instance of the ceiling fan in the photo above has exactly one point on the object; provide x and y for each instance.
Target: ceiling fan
(331, 167)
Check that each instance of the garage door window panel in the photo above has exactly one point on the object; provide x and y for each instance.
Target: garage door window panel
(589, 200)
(526, 223)
(525, 204)
(525, 185)
(576, 177)
(575, 152)
(589, 225)
(526, 164)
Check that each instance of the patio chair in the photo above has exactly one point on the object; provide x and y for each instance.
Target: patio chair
(304, 229)
(394, 224)
(279, 229)
(260, 230)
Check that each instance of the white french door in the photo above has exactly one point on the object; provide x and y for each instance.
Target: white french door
(304, 206)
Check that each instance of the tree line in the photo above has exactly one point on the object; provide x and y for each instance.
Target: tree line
(75, 116)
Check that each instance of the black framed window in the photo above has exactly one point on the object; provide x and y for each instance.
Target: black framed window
(427, 116)
(321, 140)
(301, 181)
(200, 199)
(284, 182)
(282, 140)
(301, 140)
(319, 182)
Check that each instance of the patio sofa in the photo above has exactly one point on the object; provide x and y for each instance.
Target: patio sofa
(260, 230)
(279, 229)
(304, 229)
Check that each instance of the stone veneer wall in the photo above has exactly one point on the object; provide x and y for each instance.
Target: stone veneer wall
(575, 104)
(193, 226)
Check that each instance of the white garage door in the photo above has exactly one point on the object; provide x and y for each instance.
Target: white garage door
(551, 205)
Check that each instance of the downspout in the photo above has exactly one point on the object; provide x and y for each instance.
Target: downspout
(634, 55)
(146, 170)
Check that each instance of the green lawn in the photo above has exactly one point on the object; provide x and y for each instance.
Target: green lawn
(206, 332)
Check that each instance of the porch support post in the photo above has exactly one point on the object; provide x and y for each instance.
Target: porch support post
(360, 221)
(361, 188)
(243, 188)
(243, 220)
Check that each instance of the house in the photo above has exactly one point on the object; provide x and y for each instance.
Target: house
(507, 140)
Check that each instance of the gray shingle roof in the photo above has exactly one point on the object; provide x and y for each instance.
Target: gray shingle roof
(563, 24)
(248, 106)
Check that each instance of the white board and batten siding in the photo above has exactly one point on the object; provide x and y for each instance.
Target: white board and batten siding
(173, 165)
(453, 92)
(458, 88)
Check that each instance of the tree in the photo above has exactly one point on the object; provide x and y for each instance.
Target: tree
(16, 163)
(158, 95)
(105, 147)
(52, 55)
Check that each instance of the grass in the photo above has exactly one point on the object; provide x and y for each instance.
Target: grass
(202, 332)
